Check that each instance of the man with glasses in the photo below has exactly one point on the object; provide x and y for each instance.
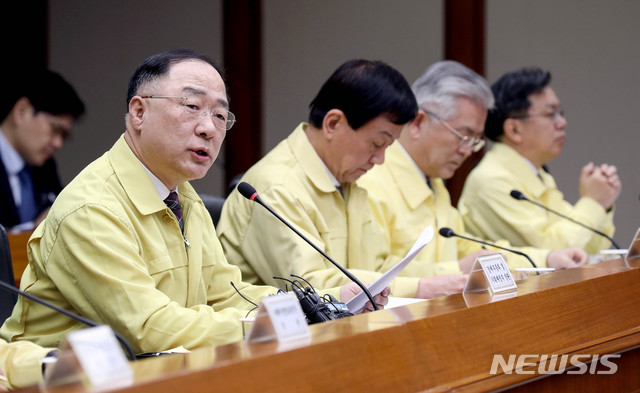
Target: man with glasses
(407, 192)
(528, 126)
(37, 110)
(128, 242)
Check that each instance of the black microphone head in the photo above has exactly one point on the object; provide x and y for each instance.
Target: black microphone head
(446, 232)
(515, 194)
(247, 190)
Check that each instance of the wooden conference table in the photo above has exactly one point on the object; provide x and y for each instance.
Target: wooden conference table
(439, 345)
(18, 248)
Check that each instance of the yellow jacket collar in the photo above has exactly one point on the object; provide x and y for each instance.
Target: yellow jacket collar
(411, 183)
(136, 181)
(309, 160)
(509, 158)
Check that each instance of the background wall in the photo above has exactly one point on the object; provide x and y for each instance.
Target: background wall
(305, 41)
(587, 44)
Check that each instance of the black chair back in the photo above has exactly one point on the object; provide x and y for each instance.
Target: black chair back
(213, 204)
(7, 300)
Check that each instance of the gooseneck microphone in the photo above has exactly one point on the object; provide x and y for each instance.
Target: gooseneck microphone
(251, 194)
(515, 194)
(76, 317)
(448, 232)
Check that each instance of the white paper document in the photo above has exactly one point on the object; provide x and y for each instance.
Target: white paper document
(357, 303)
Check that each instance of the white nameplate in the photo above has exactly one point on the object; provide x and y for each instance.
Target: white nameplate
(101, 357)
(497, 273)
(279, 317)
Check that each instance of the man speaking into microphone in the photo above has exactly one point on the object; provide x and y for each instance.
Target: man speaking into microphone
(128, 242)
(528, 126)
(407, 192)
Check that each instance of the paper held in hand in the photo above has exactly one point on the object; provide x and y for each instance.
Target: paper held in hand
(357, 303)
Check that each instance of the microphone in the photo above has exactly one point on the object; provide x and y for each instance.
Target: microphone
(448, 232)
(316, 308)
(251, 194)
(515, 194)
(76, 317)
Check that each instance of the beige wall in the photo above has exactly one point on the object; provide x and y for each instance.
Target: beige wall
(305, 41)
(588, 45)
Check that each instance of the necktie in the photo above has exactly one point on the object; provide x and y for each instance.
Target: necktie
(27, 209)
(173, 203)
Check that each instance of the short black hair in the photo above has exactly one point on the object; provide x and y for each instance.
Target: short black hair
(364, 90)
(45, 89)
(158, 65)
(512, 93)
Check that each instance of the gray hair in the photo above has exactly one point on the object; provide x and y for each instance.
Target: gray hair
(444, 82)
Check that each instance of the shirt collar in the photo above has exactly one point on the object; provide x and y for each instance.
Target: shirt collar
(333, 178)
(161, 189)
(310, 162)
(11, 159)
(533, 167)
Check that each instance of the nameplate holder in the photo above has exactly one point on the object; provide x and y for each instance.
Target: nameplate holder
(634, 248)
(101, 357)
(280, 318)
(490, 273)
(91, 357)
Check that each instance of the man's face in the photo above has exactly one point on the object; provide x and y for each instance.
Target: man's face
(440, 150)
(354, 152)
(543, 130)
(40, 135)
(173, 144)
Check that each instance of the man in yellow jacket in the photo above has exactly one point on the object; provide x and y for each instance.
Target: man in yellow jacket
(310, 180)
(407, 192)
(528, 127)
(128, 242)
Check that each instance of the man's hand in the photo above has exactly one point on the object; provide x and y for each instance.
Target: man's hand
(446, 284)
(349, 291)
(567, 258)
(466, 263)
(600, 183)
(3, 381)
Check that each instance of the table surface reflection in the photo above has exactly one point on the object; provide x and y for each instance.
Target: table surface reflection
(441, 344)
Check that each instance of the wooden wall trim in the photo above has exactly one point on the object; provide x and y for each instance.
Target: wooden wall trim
(242, 48)
(465, 42)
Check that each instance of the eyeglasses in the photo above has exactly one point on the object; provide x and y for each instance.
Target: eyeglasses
(197, 107)
(470, 141)
(554, 115)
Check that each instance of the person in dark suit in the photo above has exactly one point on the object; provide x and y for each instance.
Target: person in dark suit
(37, 110)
